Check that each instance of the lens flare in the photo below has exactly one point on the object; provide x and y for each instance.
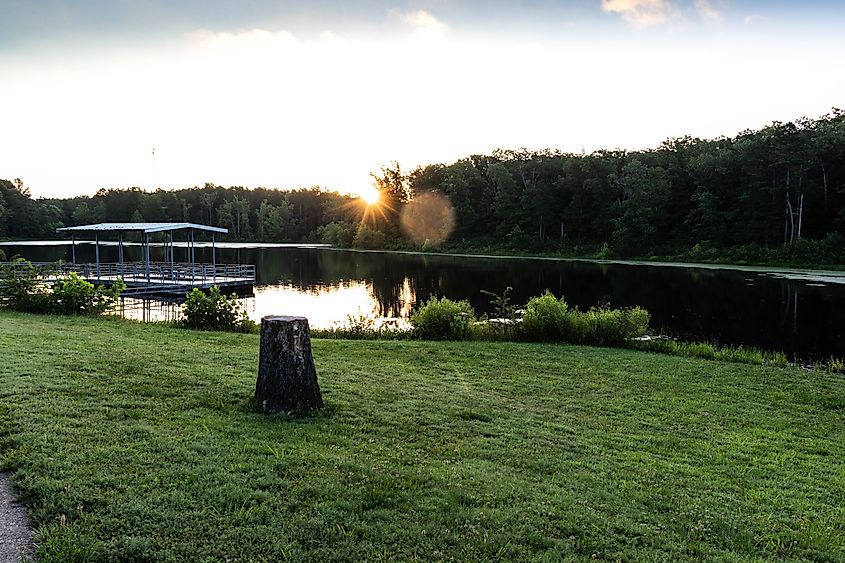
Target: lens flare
(428, 219)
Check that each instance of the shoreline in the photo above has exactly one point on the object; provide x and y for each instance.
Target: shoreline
(791, 271)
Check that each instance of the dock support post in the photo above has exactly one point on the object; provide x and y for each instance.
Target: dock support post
(120, 252)
(97, 253)
(193, 267)
(147, 255)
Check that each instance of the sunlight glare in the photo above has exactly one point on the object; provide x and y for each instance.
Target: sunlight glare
(370, 195)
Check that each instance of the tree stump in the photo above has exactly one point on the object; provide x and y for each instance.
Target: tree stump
(287, 377)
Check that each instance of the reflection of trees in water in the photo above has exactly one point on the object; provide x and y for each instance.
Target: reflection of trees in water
(726, 306)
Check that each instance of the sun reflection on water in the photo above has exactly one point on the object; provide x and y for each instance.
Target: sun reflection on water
(326, 306)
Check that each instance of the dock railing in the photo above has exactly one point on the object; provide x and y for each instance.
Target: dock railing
(159, 273)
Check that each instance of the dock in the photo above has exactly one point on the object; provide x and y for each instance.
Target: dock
(166, 280)
(146, 279)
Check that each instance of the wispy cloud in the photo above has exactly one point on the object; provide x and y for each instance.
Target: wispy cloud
(707, 10)
(753, 18)
(642, 13)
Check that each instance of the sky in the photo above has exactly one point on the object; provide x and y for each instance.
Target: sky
(293, 94)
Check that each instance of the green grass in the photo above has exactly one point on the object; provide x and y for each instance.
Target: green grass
(136, 442)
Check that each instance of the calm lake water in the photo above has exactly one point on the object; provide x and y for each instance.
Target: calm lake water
(800, 313)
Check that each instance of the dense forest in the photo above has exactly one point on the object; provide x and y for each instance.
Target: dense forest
(777, 194)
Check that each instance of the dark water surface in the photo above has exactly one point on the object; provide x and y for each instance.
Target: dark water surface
(799, 313)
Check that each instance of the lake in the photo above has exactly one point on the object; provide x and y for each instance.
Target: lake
(799, 312)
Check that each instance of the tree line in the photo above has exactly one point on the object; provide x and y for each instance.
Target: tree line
(778, 189)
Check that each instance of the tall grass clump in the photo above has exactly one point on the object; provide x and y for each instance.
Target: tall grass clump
(835, 365)
(549, 319)
(361, 327)
(712, 351)
(443, 319)
(605, 326)
(502, 324)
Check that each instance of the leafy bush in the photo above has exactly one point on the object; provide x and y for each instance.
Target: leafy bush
(215, 311)
(25, 288)
(22, 285)
(443, 319)
(545, 319)
(75, 296)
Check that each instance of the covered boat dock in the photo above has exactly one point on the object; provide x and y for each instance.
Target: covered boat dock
(148, 278)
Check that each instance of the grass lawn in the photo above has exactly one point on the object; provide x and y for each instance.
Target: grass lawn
(136, 442)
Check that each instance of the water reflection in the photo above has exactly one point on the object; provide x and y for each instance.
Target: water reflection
(802, 314)
(328, 305)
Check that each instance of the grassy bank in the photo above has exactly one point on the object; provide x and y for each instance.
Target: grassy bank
(134, 442)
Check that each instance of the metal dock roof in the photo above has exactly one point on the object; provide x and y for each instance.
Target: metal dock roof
(144, 227)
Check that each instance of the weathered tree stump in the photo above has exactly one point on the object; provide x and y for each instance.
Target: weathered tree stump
(287, 377)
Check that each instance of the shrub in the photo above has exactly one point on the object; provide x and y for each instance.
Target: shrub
(215, 311)
(25, 288)
(22, 284)
(75, 296)
(443, 319)
(545, 318)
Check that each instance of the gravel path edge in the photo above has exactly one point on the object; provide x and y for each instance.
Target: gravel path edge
(15, 532)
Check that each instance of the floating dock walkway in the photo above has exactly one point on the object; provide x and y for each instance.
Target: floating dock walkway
(157, 279)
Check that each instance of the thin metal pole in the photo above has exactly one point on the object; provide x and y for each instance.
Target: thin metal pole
(147, 245)
(120, 251)
(73, 248)
(97, 253)
(213, 258)
(193, 268)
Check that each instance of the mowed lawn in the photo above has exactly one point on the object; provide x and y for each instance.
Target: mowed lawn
(136, 442)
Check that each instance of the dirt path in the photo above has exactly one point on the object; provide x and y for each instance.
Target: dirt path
(15, 534)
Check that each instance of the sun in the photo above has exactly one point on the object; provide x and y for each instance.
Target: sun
(370, 195)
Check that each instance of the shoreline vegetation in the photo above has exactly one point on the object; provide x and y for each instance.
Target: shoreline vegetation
(544, 318)
(426, 451)
(775, 196)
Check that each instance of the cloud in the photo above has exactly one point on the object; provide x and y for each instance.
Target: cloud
(642, 13)
(707, 11)
(423, 22)
(753, 18)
